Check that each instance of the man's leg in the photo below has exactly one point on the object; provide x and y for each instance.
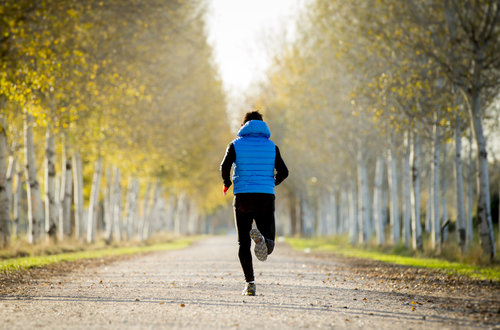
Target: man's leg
(266, 225)
(243, 226)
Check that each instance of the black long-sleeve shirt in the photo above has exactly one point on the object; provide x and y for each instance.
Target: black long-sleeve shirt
(230, 157)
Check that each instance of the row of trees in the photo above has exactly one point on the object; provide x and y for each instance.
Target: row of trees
(107, 94)
(369, 100)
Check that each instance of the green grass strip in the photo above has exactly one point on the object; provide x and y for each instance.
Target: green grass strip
(483, 273)
(40, 261)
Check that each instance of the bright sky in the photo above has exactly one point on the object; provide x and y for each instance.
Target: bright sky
(237, 29)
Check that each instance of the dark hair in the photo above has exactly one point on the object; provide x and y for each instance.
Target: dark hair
(252, 115)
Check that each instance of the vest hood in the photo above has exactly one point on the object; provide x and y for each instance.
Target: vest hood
(255, 128)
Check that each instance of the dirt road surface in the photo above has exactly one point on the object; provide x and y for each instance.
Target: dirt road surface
(200, 288)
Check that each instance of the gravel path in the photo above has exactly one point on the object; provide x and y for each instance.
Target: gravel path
(200, 287)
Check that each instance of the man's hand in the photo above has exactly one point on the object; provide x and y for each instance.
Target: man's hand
(224, 190)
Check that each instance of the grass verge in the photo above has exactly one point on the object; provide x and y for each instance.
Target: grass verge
(43, 260)
(323, 245)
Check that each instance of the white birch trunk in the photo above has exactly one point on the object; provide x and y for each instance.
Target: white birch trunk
(353, 212)
(406, 233)
(93, 203)
(11, 173)
(435, 219)
(470, 193)
(4, 196)
(151, 217)
(78, 193)
(35, 207)
(416, 228)
(163, 215)
(193, 217)
(129, 211)
(51, 212)
(344, 204)
(334, 223)
(66, 193)
(304, 215)
(483, 205)
(170, 213)
(392, 177)
(363, 216)
(377, 201)
(17, 199)
(459, 186)
(444, 202)
(108, 205)
(429, 208)
(144, 216)
(57, 193)
(132, 220)
(117, 207)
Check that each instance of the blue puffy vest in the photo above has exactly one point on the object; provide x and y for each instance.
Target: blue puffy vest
(253, 169)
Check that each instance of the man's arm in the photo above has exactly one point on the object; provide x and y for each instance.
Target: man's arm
(227, 163)
(281, 169)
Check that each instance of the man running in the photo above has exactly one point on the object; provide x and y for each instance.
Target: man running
(254, 158)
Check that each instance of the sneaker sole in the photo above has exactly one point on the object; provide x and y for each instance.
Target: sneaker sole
(260, 249)
(247, 294)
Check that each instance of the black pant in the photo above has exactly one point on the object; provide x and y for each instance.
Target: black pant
(249, 207)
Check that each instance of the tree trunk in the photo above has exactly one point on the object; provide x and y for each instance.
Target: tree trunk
(66, 193)
(17, 199)
(129, 208)
(78, 193)
(35, 208)
(392, 177)
(363, 216)
(57, 201)
(117, 207)
(303, 216)
(334, 223)
(344, 204)
(193, 217)
(483, 205)
(108, 205)
(292, 204)
(93, 203)
(429, 208)
(435, 219)
(459, 186)
(170, 213)
(134, 206)
(377, 201)
(51, 212)
(353, 212)
(151, 217)
(4, 197)
(470, 192)
(416, 228)
(178, 225)
(145, 204)
(11, 175)
(444, 202)
(406, 193)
